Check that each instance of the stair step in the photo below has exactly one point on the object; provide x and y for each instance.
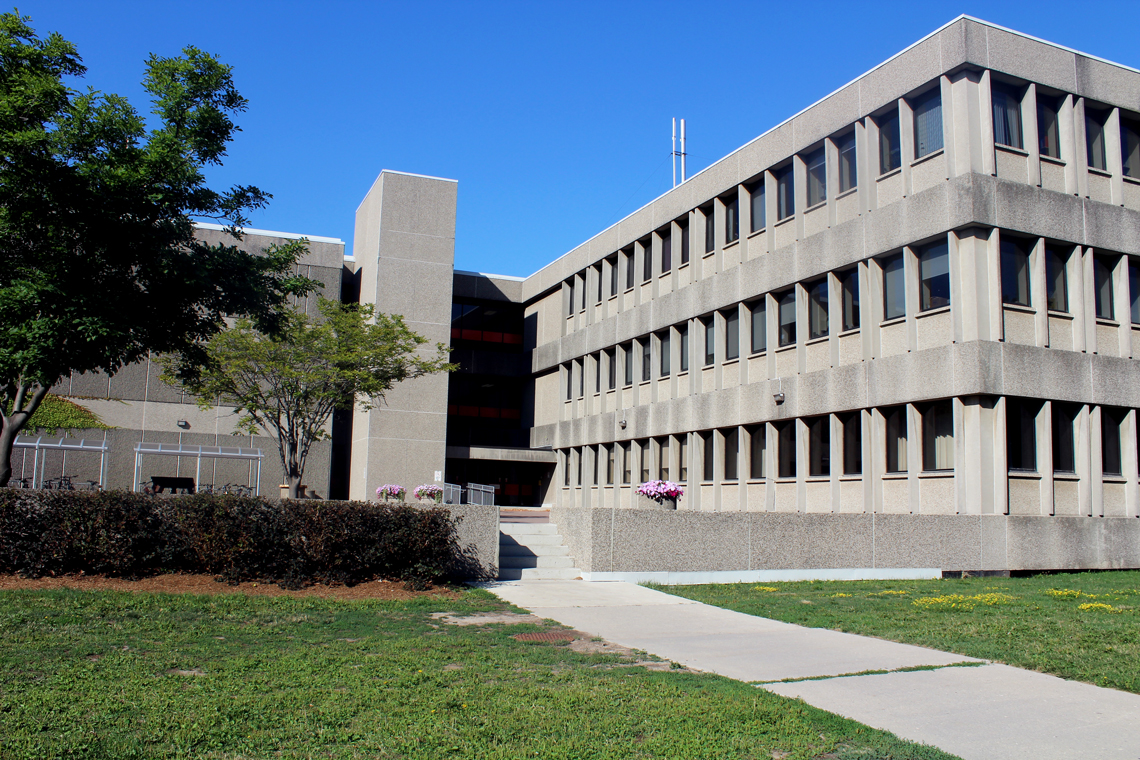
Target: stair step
(519, 562)
(539, 573)
(529, 529)
(540, 539)
(517, 550)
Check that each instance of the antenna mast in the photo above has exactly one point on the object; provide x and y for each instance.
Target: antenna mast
(678, 154)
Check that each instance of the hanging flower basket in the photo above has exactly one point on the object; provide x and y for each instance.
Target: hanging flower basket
(664, 492)
(428, 492)
(388, 492)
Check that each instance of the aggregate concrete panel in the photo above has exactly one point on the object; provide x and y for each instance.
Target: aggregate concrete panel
(1111, 227)
(666, 540)
(951, 542)
(993, 712)
(838, 111)
(477, 532)
(94, 384)
(797, 540)
(1027, 208)
(418, 205)
(1030, 59)
(952, 45)
(763, 152)
(1107, 82)
(157, 390)
(898, 76)
(1055, 543)
(994, 529)
(1034, 372)
(1120, 542)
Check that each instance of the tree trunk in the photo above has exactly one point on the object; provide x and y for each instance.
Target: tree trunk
(23, 407)
(294, 481)
(7, 438)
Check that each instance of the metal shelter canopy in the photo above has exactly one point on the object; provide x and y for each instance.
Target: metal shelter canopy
(184, 450)
(45, 444)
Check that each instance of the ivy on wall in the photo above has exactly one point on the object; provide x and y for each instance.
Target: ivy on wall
(57, 413)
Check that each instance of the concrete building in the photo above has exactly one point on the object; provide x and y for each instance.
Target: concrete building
(892, 334)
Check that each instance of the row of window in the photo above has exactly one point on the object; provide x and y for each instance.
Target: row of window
(933, 267)
(1007, 102)
(614, 462)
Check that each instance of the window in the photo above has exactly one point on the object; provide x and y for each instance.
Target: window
(683, 458)
(1056, 286)
(582, 290)
(759, 327)
(683, 339)
(786, 310)
(934, 277)
(578, 455)
(894, 421)
(1007, 115)
(666, 249)
(663, 350)
(611, 360)
(684, 244)
(663, 459)
(1102, 287)
(581, 378)
(593, 455)
(785, 193)
(646, 358)
(613, 276)
(708, 444)
(938, 436)
(646, 461)
(732, 335)
(609, 448)
(1064, 441)
(1021, 433)
(628, 357)
(629, 270)
(759, 211)
(598, 373)
(570, 381)
(757, 446)
(928, 123)
(626, 463)
(566, 468)
(786, 449)
(890, 144)
(894, 287)
(852, 443)
(849, 295)
(710, 341)
(1048, 134)
(570, 301)
(1014, 272)
(710, 231)
(731, 453)
(1094, 139)
(732, 219)
(848, 168)
(819, 447)
(816, 177)
(1134, 290)
(1130, 148)
(817, 308)
(598, 275)
(647, 259)
(1110, 422)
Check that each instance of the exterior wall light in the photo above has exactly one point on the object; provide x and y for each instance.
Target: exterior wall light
(184, 424)
(778, 397)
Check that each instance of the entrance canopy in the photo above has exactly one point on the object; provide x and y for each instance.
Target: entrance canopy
(43, 444)
(198, 452)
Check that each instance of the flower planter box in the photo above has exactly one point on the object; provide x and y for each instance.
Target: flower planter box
(644, 502)
(301, 491)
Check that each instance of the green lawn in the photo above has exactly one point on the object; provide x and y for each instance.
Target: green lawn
(1083, 626)
(116, 675)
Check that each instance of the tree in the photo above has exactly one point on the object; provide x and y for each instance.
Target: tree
(289, 383)
(98, 262)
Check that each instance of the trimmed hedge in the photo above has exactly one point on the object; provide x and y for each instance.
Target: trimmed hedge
(238, 538)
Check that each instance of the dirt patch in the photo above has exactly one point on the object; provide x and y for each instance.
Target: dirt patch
(487, 618)
(207, 584)
(631, 657)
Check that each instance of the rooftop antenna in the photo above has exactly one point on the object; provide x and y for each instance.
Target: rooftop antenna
(678, 154)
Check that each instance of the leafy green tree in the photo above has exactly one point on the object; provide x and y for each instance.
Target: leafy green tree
(98, 262)
(289, 383)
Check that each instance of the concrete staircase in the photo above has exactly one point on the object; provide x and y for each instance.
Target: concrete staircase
(534, 551)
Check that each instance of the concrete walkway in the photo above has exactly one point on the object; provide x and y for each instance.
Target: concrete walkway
(982, 712)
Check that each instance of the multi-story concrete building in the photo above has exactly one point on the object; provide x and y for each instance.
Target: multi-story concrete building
(894, 332)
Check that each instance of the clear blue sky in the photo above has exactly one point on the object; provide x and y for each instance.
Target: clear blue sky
(554, 117)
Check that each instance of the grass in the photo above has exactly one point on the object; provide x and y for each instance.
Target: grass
(1082, 626)
(120, 675)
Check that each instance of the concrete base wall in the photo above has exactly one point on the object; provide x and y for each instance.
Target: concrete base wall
(655, 541)
(478, 534)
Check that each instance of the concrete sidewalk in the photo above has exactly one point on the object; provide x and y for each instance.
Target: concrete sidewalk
(985, 712)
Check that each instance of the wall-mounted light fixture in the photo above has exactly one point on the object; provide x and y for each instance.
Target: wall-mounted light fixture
(184, 424)
(778, 397)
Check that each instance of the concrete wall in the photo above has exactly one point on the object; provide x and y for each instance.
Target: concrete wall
(405, 250)
(650, 540)
(478, 535)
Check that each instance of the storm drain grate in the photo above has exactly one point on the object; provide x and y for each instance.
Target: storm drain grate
(546, 636)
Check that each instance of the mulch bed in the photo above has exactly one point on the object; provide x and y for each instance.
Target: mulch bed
(207, 584)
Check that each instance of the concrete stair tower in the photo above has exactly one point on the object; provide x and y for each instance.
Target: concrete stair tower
(534, 551)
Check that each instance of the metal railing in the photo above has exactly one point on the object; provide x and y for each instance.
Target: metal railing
(480, 494)
(452, 494)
